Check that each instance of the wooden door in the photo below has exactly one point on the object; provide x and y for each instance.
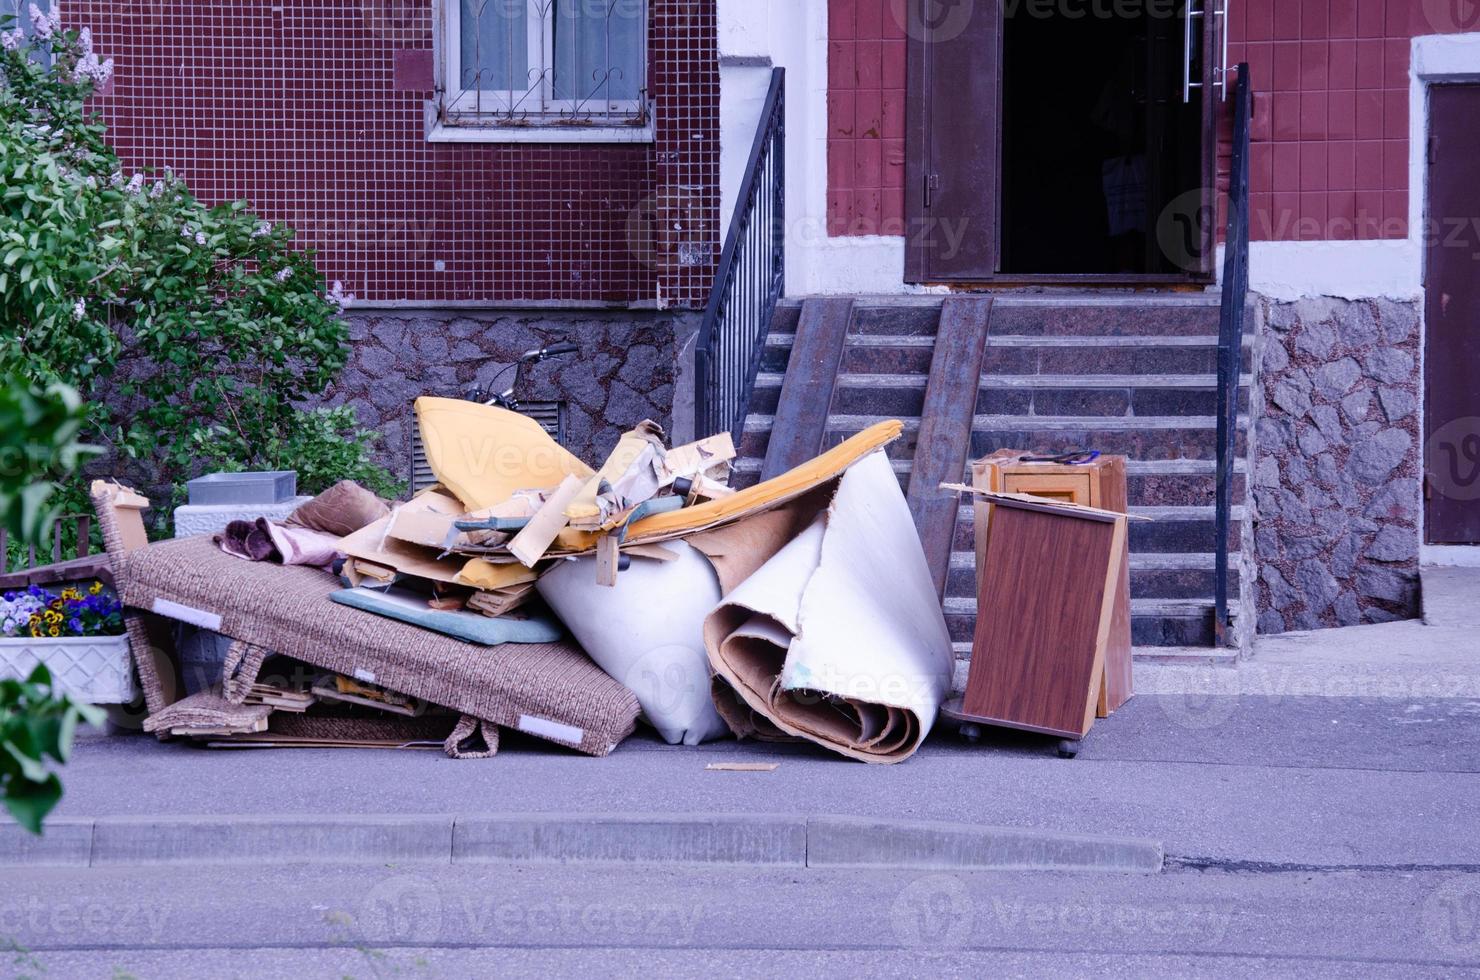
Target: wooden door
(951, 173)
(955, 199)
(1452, 285)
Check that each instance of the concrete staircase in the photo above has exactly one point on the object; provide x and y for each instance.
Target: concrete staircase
(1126, 374)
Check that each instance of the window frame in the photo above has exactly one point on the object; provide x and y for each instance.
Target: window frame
(489, 114)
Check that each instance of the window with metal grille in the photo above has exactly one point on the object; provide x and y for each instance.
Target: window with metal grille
(550, 416)
(528, 62)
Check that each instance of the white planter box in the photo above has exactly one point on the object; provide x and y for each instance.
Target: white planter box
(95, 669)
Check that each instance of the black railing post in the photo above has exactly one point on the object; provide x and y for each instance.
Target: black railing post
(1231, 342)
(750, 279)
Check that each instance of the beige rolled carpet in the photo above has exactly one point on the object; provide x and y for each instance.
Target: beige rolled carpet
(839, 637)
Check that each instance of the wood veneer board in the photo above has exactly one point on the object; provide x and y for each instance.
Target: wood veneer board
(945, 426)
(1110, 491)
(1045, 607)
(1099, 484)
(800, 422)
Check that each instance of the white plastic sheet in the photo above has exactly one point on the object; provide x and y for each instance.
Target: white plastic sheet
(646, 632)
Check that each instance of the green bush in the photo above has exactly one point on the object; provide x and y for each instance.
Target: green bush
(198, 322)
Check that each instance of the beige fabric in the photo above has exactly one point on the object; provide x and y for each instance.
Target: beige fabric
(340, 510)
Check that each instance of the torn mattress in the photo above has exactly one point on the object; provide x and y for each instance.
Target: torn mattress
(551, 690)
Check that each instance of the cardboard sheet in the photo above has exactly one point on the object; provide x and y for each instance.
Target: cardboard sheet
(485, 454)
(839, 637)
(646, 632)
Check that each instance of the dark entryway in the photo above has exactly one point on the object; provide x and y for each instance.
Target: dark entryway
(1452, 456)
(1054, 141)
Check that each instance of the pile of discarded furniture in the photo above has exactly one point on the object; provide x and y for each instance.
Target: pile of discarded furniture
(528, 591)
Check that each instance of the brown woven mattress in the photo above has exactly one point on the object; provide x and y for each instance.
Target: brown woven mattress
(551, 690)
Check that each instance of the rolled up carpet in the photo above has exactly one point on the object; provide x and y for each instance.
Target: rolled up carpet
(839, 638)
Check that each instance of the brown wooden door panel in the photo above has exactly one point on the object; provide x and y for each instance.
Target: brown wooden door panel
(952, 169)
(1452, 286)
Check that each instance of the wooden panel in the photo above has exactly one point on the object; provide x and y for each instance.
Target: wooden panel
(806, 395)
(1043, 619)
(1452, 324)
(1073, 488)
(1099, 484)
(945, 426)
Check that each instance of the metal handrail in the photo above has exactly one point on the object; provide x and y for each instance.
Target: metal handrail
(1231, 339)
(750, 280)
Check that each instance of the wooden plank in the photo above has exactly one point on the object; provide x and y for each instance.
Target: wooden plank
(800, 422)
(945, 426)
(530, 544)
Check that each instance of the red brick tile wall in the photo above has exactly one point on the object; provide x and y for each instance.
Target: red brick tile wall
(865, 104)
(313, 111)
(1330, 159)
(1330, 151)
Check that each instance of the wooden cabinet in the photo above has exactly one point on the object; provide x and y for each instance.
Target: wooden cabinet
(1100, 483)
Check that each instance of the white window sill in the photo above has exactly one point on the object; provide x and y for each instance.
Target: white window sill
(438, 132)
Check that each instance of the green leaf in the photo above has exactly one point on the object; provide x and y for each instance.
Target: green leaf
(29, 802)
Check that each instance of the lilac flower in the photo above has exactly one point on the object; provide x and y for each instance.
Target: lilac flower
(11, 40)
(338, 296)
(91, 69)
(79, 309)
(282, 274)
(135, 183)
(200, 238)
(156, 189)
(263, 230)
(84, 40)
(45, 25)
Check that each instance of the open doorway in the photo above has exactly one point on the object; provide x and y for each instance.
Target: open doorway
(1097, 142)
(1065, 142)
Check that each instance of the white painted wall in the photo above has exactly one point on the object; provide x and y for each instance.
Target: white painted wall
(793, 35)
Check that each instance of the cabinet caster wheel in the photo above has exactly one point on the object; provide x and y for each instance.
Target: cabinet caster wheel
(971, 733)
(1068, 749)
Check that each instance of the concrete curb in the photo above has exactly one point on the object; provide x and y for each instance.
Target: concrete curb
(744, 840)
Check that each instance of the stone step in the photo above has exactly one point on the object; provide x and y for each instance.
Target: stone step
(1101, 316)
(1155, 437)
(1154, 622)
(1149, 483)
(1153, 575)
(1077, 355)
(1169, 530)
(903, 395)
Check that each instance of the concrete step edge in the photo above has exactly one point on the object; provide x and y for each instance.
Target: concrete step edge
(918, 382)
(743, 839)
(1023, 423)
(1194, 468)
(1173, 608)
(1146, 561)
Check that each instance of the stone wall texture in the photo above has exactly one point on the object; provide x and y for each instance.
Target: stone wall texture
(1337, 464)
(625, 371)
